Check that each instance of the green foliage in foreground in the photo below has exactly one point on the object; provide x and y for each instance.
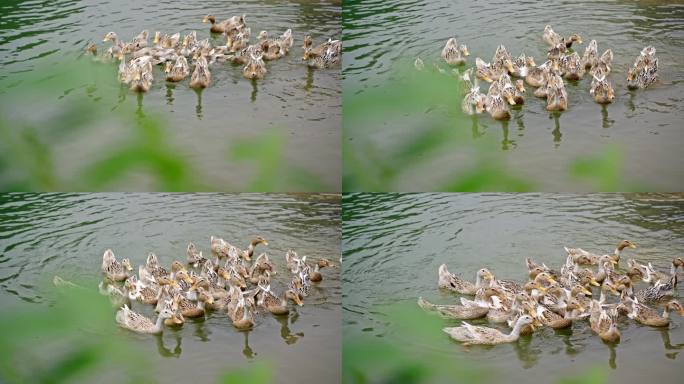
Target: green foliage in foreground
(136, 151)
(75, 339)
(374, 360)
(393, 140)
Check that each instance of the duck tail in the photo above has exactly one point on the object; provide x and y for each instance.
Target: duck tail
(426, 305)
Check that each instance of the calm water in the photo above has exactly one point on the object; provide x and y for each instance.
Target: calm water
(403, 239)
(66, 234)
(645, 125)
(302, 105)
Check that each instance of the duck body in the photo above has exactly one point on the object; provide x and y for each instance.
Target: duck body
(114, 270)
(126, 318)
(454, 54)
(201, 77)
(469, 334)
(644, 71)
(460, 312)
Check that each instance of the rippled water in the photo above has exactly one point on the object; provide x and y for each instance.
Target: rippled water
(645, 125)
(394, 243)
(302, 105)
(66, 234)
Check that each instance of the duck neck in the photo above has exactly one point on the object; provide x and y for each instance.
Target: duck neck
(478, 281)
(158, 324)
(516, 329)
(200, 304)
(666, 313)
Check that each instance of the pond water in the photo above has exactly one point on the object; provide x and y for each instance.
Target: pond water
(66, 234)
(645, 126)
(300, 105)
(394, 243)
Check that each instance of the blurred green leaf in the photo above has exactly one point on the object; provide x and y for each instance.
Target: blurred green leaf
(258, 373)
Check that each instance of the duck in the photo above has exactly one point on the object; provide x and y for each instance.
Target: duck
(551, 319)
(552, 38)
(133, 321)
(478, 335)
(593, 258)
(194, 256)
(310, 51)
(241, 315)
(497, 108)
(601, 90)
(606, 326)
(418, 64)
(316, 274)
(603, 65)
(536, 77)
(178, 71)
(332, 57)
(557, 96)
(473, 101)
(590, 56)
(277, 306)
(255, 68)
(448, 280)
(503, 87)
(140, 74)
(189, 309)
(648, 316)
(661, 291)
(225, 25)
(454, 54)
(240, 41)
(201, 77)
(644, 71)
(114, 270)
(572, 66)
(460, 312)
(521, 66)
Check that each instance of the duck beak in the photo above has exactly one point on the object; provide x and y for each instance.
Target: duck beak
(595, 283)
(632, 245)
(586, 291)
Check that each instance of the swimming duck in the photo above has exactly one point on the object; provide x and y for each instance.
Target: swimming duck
(603, 65)
(141, 74)
(454, 54)
(605, 325)
(602, 90)
(504, 88)
(460, 312)
(552, 38)
(178, 71)
(470, 334)
(277, 306)
(194, 256)
(473, 101)
(557, 96)
(310, 51)
(201, 77)
(590, 57)
(448, 280)
(572, 66)
(316, 274)
(661, 291)
(536, 77)
(113, 269)
(241, 315)
(497, 108)
(648, 316)
(126, 318)
(552, 319)
(521, 66)
(330, 58)
(644, 72)
(593, 258)
(225, 25)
